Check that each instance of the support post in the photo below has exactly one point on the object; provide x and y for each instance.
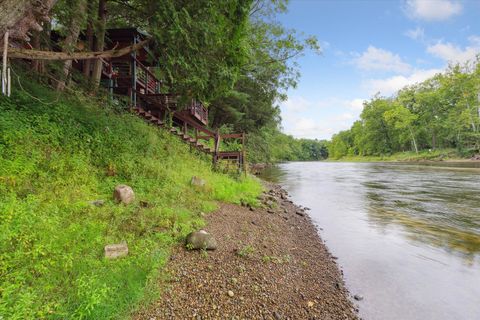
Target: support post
(216, 148)
(9, 83)
(134, 75)
(4, 63)
(146, 81)
(244, 155)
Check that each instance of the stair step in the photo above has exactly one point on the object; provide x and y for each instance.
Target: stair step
(173, 130)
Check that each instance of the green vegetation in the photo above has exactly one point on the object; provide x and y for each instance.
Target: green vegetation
(57, 154)
(419, 122)
(424, 155)
(246, 251)
(269, 145)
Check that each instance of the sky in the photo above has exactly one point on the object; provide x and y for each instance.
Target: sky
(370, 47)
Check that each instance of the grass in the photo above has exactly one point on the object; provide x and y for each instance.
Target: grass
(424, 155)
(57, 155)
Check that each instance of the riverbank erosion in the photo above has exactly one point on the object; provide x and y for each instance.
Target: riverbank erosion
(270, 264)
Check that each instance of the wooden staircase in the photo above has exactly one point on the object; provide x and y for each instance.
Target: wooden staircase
(189, 121)
(193, 142)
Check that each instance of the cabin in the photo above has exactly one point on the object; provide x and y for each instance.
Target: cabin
(135, 76)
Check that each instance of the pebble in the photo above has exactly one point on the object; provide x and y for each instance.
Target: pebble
(230, 293)
(300, 213)
(358, 297)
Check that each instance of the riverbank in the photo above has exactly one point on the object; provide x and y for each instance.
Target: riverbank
(270, 264)
(61, 158)
(451, 155)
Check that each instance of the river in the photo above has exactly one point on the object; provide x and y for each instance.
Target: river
(407, 236)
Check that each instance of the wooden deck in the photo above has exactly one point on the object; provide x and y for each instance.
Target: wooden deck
(186, 119)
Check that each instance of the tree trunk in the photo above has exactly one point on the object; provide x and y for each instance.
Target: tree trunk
(36, 45)
(74, 26)
(434, 140)
(90, 21)
(22, 16)
(413, 140)
(100, 41)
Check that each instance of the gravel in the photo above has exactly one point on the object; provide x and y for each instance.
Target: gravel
(284, 272)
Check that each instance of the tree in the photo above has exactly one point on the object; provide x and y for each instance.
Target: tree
(99, 41)
(74, 17)
(401, 118)
(21, 16)
(377, 133)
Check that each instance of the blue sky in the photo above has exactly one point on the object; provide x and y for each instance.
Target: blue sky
(370, 47)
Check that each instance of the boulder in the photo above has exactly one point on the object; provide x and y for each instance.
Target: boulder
(123, 194)
(201, 240)
(113, 251)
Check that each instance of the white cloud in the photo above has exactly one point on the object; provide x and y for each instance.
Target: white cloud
(356, 104)
(433, 10)
(391, 85)
(376, 59)
(452, 53)
(318, 121)
(296, 104)
(416, 34)
(322, 128)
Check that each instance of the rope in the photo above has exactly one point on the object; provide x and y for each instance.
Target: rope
(30, 95)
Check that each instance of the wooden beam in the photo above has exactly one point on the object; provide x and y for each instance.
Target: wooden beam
(205, 137)
(51, 55)
(232, 136)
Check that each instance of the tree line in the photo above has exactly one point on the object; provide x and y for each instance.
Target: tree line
(440, 112)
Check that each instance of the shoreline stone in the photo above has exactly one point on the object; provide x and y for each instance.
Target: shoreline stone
(114, 251)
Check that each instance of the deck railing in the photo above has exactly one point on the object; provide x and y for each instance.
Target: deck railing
(199, 111)
(146, 79)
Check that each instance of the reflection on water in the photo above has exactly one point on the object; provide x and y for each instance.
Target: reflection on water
(396, 227)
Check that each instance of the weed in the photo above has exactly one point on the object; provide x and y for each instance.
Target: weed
(246, 251)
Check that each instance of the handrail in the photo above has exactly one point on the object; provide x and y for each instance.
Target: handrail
(146, 69)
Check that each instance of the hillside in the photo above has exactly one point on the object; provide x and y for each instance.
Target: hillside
(58, 153)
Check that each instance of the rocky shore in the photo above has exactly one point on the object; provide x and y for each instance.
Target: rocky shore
(270, 263)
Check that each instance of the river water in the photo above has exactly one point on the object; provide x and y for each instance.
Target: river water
(406, 236)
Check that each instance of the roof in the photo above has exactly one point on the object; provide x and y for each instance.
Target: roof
(125, 34)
